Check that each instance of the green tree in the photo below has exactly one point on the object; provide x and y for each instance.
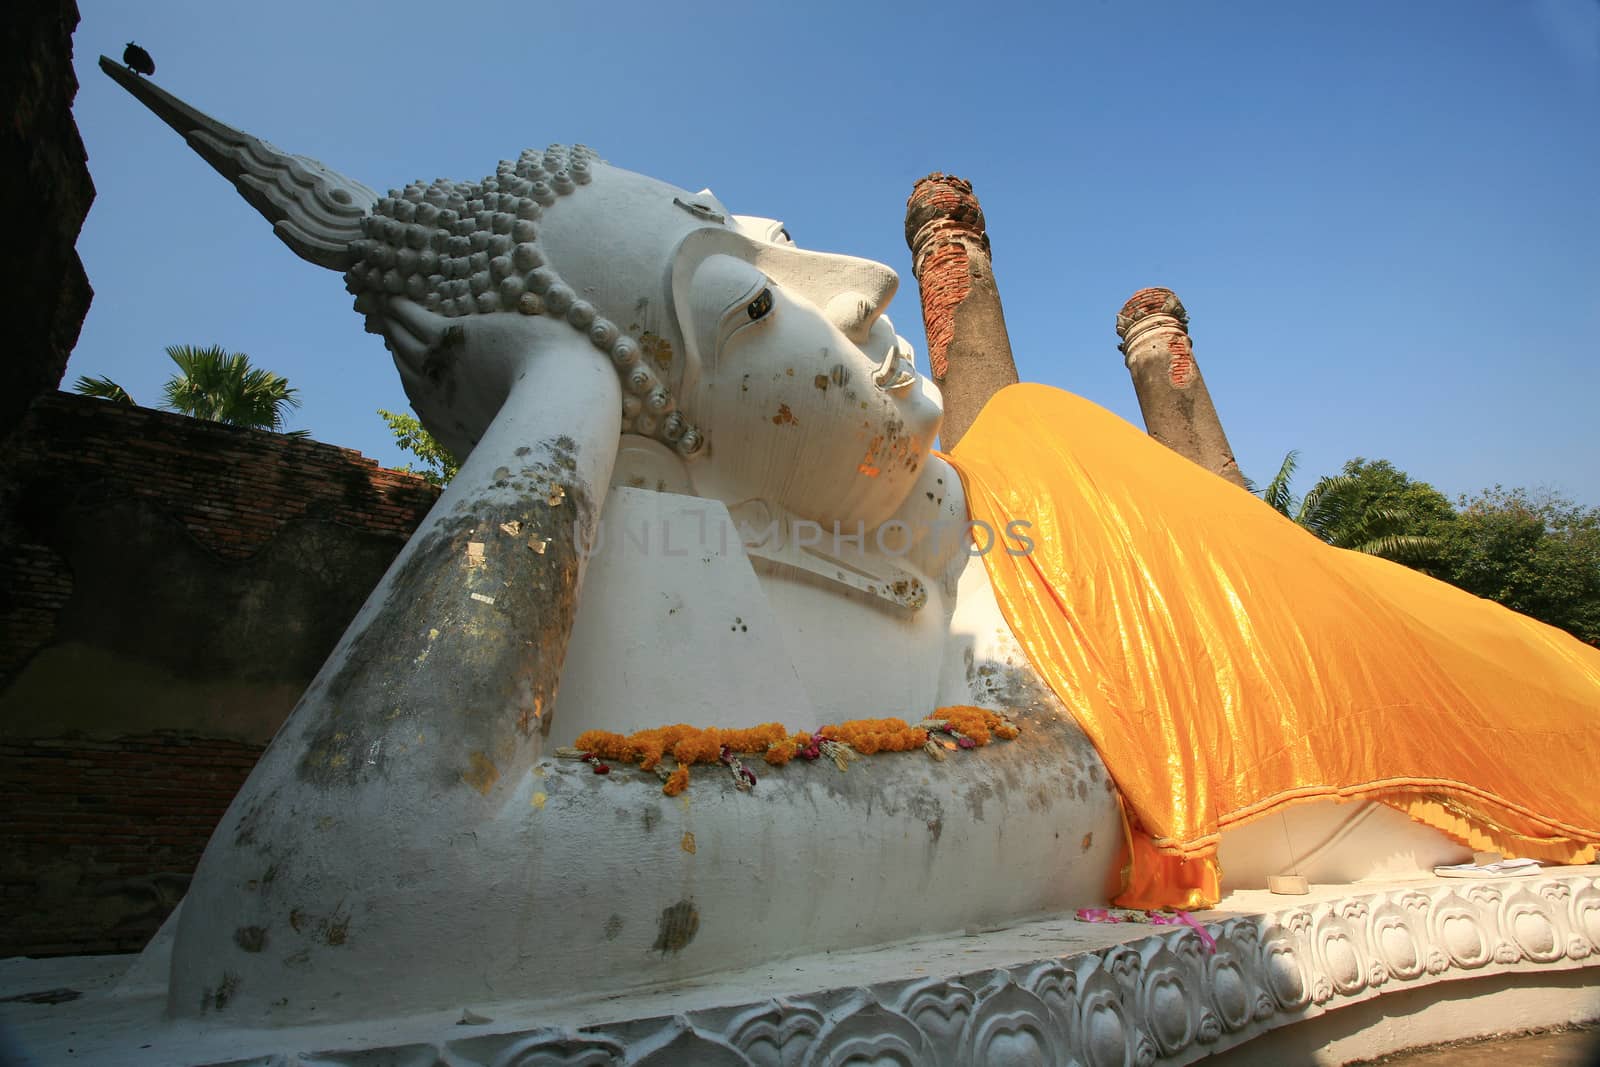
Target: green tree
(1370, 507)
(216, 385)
(412, 436)
(1537, 553)
(1383, 511)
(224, 387)
(102, 387)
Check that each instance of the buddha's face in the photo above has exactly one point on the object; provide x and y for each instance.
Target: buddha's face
(810, 399)
(780, 358)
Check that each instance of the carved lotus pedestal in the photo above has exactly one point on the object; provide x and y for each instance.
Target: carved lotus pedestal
(1348, 972)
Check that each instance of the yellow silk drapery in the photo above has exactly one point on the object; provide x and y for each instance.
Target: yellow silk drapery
(1225, 662)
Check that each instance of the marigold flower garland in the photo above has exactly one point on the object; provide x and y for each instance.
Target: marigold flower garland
(961, 726)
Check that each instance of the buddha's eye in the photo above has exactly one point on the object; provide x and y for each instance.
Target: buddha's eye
(760, 306)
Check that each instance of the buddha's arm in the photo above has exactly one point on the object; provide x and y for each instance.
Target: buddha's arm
(463, 640)
(448, 673)
(418, 730)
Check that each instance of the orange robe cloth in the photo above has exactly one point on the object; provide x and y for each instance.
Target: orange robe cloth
(1227, 663)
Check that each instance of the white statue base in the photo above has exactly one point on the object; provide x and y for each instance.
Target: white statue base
(1442, 958)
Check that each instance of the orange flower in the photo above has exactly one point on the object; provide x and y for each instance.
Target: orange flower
(976, 723)
(690, 745)
(780, 752)
(607, 745)
(756, 739)
(870, 736)
(699, 747)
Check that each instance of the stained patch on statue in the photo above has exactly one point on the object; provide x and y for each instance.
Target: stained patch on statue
(218, 997)
(246, 832)
(250, 938)
(657, 349)
(869, 462)
(975, 795)
(336, 931)
(676, 927)
(482, 774)
(531, 713)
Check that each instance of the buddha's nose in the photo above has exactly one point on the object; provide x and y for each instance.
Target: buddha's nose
(851, 292)
(855, 309)
(853, 312)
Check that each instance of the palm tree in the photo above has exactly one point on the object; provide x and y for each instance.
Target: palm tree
(216, 385)
(102, 387)
(224, 387)
(1330, 513)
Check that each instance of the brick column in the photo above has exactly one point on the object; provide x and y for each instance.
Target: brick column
(1177, 408)
(969, 352)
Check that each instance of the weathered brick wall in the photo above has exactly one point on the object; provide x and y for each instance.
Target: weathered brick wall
(101, 837)
(168, 587)
(232, 489)
(45, 187)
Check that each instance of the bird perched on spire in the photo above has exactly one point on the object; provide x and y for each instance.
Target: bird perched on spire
(138, 60)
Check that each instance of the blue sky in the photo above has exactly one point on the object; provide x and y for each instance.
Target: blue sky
(1382, 217)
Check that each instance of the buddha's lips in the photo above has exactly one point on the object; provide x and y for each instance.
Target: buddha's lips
(884, 377)
(881, 374)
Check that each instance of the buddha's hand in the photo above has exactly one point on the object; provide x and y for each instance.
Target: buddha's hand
(459, 372)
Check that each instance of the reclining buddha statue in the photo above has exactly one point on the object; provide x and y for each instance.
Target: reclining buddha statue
(699, 490)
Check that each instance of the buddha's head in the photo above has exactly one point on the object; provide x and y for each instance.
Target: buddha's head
(768, 370)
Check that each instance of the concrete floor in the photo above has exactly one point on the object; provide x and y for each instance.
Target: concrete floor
(1575, 1047)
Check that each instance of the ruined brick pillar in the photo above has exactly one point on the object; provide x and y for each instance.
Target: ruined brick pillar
(1173, 397)
(969, 353)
